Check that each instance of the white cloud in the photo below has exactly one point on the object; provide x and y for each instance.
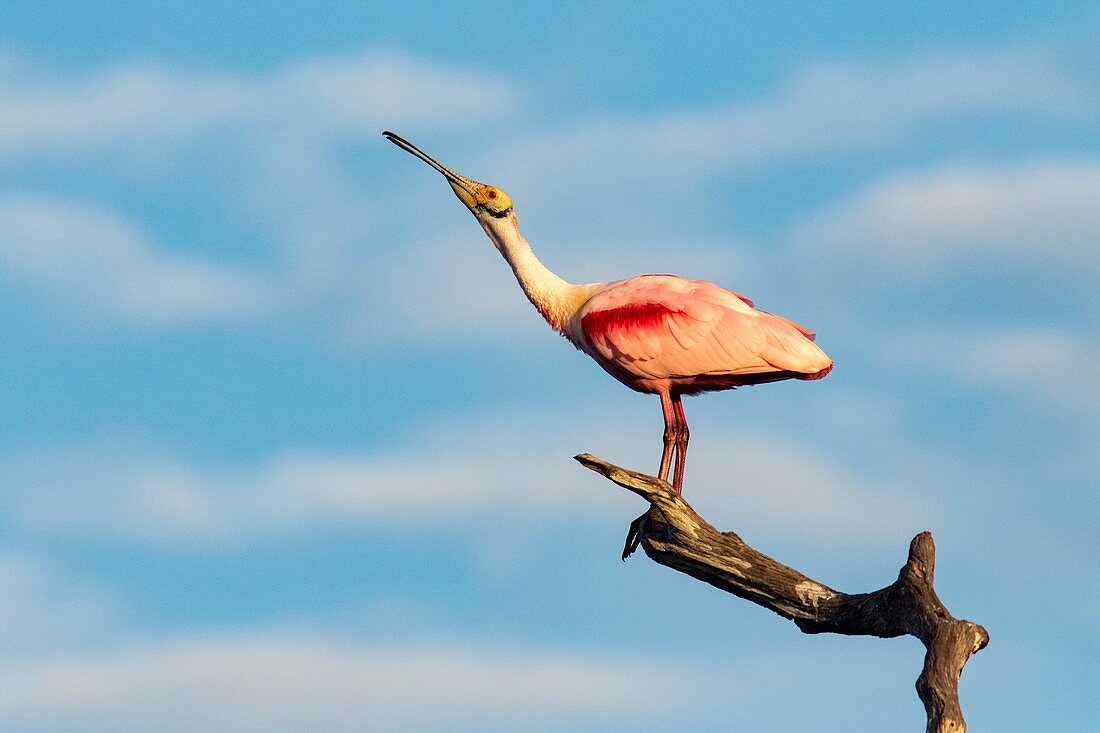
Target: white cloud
(1042, 215)
(117, 105)
(86, 256)
(359, 95)
(78, 678)
(451, 287)
(485, 468)
(41, 610)
(152, 103)
(1030, 354)
(275, 134)
(1050, 368)
(460, 474)
(264, 144)
(287, 681)
(767, 487)
(447, 288)
(826, 110)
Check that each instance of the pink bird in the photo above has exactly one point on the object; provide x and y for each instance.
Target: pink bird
(658, 334)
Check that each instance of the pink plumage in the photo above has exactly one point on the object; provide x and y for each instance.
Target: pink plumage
(662, 333)
(669, 336)
(659, 334)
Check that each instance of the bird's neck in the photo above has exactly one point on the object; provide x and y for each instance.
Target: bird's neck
(554, 298)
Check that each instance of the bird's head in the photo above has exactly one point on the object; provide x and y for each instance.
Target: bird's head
(484, 201)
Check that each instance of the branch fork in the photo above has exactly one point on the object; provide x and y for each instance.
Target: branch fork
(674, 535)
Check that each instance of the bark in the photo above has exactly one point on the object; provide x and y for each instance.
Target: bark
(672, 534)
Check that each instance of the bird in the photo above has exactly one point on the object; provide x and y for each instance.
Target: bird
(657, 334)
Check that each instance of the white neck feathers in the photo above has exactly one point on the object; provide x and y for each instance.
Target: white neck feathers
(554, 298)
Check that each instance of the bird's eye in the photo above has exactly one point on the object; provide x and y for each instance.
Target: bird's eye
(491, 193)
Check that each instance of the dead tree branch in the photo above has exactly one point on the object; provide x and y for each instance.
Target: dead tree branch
(672, 534)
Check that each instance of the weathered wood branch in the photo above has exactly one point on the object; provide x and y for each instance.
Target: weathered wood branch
(672, 534)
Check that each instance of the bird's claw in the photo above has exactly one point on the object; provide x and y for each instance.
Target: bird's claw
(633, 537)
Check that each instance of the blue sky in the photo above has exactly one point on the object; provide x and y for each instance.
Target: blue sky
(283, 447)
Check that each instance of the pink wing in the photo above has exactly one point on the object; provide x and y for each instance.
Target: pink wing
(659, 327)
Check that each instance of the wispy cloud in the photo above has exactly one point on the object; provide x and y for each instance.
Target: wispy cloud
(275, 134)
(288, 681)
(119, 104)
(41, 610)
(778, 490)
(824, 111)
(86, 256)
(316, 97)
(1039, 215)
(1047, 367)
(777, 487)
(78, 677)
(359, 95)
(264, 145)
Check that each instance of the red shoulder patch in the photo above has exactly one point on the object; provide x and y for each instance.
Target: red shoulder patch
(633, 317)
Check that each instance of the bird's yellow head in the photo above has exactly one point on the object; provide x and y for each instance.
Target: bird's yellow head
(480, 198)
(489, 198)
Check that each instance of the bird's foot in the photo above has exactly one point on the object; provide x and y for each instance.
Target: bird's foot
(633, 537)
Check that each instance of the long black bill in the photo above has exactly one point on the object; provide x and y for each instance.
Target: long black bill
(408, 147)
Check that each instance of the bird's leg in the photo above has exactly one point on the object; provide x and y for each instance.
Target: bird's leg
(670, 435)
(682, 435)
(634, 534)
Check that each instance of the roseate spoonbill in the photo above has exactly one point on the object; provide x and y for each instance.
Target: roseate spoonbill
(658, 334)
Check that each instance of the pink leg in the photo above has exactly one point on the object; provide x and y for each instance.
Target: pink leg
(670, 435)
(633, 535)
(682, 435)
